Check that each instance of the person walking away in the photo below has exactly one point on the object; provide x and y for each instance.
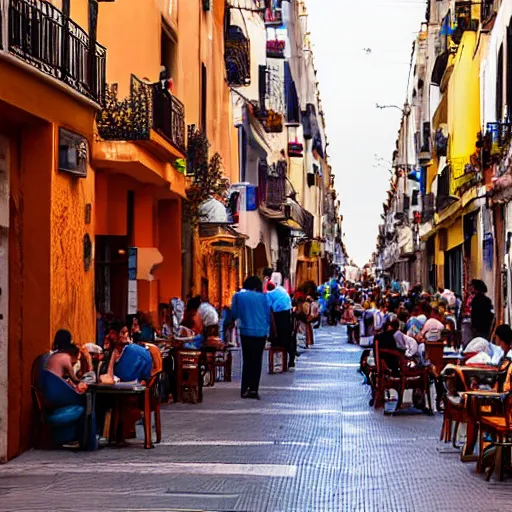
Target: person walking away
(281, 305)
(482, 310)
(252, 310)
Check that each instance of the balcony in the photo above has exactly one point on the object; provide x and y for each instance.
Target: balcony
(498, 138)
(273, 17)
(150, 106)
(43, 37)
(237, 56)
(277, 199)
(276, 49)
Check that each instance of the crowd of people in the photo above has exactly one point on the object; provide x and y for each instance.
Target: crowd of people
(404, 320)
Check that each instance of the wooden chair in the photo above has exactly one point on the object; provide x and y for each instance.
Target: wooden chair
(207, 365)
(500, 429)
(223, 365)
(455, 411)
(272, 351)
(188, 375)
(405, 378)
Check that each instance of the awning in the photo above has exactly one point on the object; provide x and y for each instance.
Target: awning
(440, 67)
(292, 215)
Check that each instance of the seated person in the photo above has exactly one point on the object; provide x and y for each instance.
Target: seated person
(433, 327)
(129, 362)
(192, 318)
(62, 362)
(386, 341)
(504, 339)
(406, 343)
(62, 339)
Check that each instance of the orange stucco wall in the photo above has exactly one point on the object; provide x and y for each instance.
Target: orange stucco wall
(29, 272)
(131, 32)
(72, 288)
(169, 243)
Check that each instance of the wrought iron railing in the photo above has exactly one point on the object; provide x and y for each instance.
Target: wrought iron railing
(42, 36)
(150, 106)
(237, 56)
(273, 17)
(276, 48)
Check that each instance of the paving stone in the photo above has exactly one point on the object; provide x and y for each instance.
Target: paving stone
(311, 444)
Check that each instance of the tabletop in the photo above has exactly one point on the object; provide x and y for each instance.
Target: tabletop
(120, 388)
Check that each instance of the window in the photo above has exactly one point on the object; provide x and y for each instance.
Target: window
(169, 52)
(499, 86)
(262, 85)
(204, 98)
(292, 101)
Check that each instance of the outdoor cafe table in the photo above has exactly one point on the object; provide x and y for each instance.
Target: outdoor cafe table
(120, 391)
(474, 401)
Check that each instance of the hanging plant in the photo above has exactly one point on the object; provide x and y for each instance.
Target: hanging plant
(207, 176)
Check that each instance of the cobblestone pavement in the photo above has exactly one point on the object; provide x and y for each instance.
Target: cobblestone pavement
(311, 444)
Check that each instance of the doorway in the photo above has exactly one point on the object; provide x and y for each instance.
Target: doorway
(111, 275)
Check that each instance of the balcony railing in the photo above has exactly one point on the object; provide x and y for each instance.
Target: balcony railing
(42, 36)
(273, 185)
(150, 106)
(237, 56)
(276, 49)
(273, 17)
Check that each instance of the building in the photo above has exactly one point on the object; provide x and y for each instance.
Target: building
(288, 203)
(51, 90)
(451, 241)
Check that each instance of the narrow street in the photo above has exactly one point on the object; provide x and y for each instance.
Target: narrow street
(311, 444)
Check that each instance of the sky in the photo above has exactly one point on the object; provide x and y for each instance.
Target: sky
(352, 81)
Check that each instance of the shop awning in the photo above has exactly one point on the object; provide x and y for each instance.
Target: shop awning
(440, 67)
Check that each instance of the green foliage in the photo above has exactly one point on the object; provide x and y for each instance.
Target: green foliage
(207, 176)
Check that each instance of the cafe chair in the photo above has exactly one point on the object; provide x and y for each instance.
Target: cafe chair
(188, 376)
(151, 404)
(455, 411)
(63, 416)
(223, 365)
(405, 377)
(272, 352)
(207, 366)
(499, 429)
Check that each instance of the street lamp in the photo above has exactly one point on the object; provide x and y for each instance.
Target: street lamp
(406, 111)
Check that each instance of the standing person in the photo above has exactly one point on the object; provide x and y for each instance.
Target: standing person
(281, 306)
(251, 308)
(482, 310)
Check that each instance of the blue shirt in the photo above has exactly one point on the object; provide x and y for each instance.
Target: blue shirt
(135, 364)
(252, 311)
(279, 300)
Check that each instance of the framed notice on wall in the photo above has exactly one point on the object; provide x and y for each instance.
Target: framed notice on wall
(132, 281)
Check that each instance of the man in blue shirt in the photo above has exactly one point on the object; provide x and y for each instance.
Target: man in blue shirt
(251, 309)
(281, 306)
